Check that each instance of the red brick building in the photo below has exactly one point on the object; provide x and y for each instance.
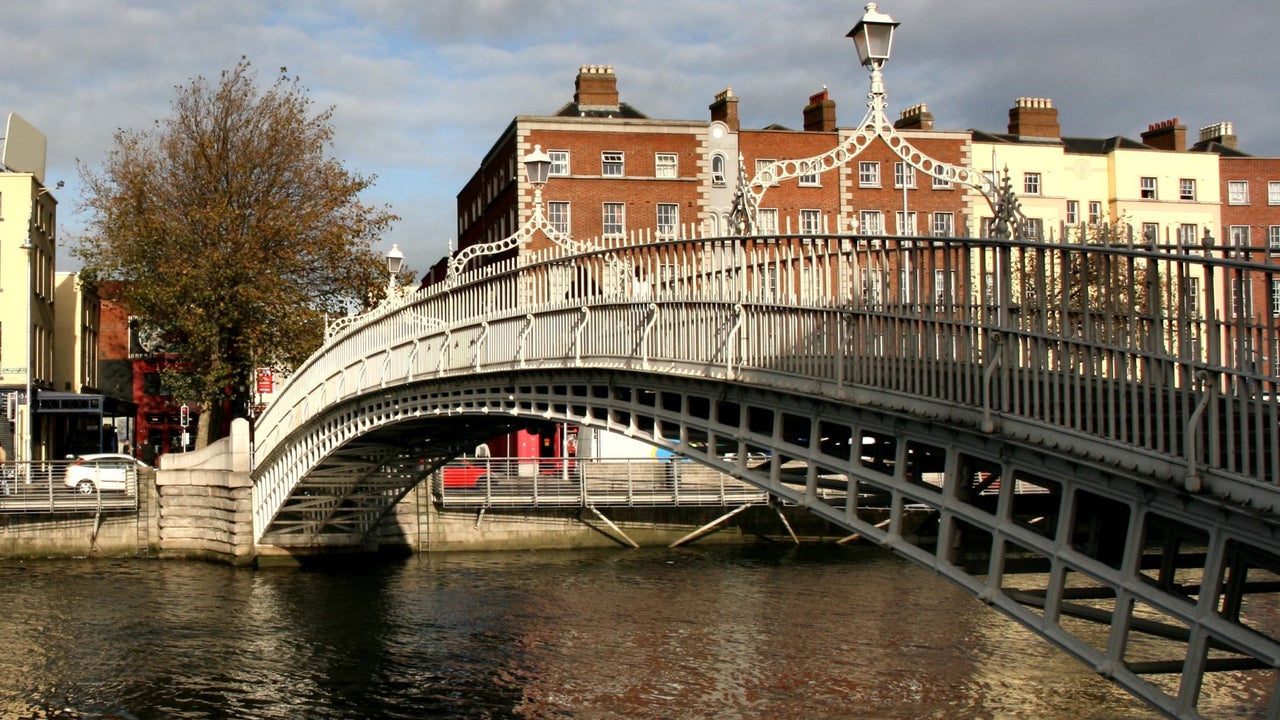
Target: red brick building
(1250, 197)
(617, 172)
(129, 368)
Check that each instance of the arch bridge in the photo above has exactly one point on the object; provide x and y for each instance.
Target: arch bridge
(1090, 426)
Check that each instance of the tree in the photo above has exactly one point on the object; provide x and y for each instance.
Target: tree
(230, 228)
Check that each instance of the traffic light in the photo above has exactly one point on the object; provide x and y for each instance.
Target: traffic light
(184, 415)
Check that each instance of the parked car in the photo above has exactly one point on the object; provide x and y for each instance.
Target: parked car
(102, 472)
(463, 473)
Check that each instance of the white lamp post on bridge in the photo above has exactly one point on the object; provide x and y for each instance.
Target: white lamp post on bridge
(537, 165)
(395, 261)
(873, 38)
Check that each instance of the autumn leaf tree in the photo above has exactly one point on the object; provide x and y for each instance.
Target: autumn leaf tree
(230, 229)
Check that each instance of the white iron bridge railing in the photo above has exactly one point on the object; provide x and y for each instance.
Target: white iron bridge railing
(1161, 357)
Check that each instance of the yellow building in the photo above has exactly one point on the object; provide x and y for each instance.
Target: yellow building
(28, 219)
(1156, 185)
(48, 323)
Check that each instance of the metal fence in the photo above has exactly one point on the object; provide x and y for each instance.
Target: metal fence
(582, 482)
(58, 486)
(1164, 354)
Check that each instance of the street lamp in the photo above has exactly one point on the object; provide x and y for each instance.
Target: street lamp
(537, 168)
(873, 38)
(395, 260)
(537, 165)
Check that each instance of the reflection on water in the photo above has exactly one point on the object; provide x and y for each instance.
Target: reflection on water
(754, 632)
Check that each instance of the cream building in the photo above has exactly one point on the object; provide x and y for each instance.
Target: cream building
(1153, 185)
(47, 354)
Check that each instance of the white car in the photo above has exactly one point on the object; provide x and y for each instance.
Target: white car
(102, 472)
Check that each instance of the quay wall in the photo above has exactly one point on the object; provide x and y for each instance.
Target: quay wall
(199, 506)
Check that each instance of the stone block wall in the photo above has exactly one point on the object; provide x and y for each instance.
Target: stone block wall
(205, 501)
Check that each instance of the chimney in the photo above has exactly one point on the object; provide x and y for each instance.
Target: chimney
(596, 88)
(820, 113)
(1166, 135)
(725, 109)
(1223, 133)
(916, 117)
(1034, 118)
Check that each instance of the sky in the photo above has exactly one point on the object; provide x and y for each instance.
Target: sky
(421, 89)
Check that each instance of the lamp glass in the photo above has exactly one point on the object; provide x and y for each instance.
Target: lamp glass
(873, 36)
(537, 165)
(395, 259)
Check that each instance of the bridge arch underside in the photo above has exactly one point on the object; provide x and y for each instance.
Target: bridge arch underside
(1150, 590)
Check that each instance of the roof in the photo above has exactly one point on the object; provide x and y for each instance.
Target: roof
(1220, 149)
(1075, 145)
(624, 111)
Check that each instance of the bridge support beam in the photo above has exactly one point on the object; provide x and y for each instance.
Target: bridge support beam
(625, 538)
(708, 527)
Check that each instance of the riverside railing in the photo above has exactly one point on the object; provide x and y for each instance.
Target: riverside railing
(42, 487)
(1156, 354)
(583, 482)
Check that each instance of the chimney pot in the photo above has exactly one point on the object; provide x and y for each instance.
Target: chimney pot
(1223, 133)
(1034, 118)
(725, 109)
(916, 117)
(596, 88)
(1166, 135)
(820, 113)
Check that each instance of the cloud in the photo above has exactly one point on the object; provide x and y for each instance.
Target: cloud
(421, 90)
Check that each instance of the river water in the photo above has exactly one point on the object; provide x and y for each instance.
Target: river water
(761, 631)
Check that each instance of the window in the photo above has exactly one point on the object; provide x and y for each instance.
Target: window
(810, 222)
(873, 284)
(871, 222)
(1073, 212)
(1273, 192)
(941, 183)
(1031, 183)
(1095, 212)
(987, 227)
(809, 175)
(1240, 236)
(559, 162)
(761, 164)
(944, 286)
(767, 221)
(1273, 240)
(1033, 228)
(664, 165)
(717, 170)
(1275, 301)
(868, 174)
(558, 216)
(1186, 189)
(1186, 234)
(614, 218)
(906, 226)
(944, 224)
(904, 175)
(1147, 188)
(611, 164)
(668, 218)
(1241, 297)
(1238, 192)
(1150, 232)
(1191, 292)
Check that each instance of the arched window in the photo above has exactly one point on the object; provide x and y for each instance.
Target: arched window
(717, 170)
